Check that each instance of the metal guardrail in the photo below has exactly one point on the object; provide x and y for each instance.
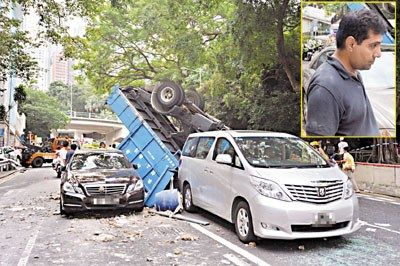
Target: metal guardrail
(8, 165)
(109, 117)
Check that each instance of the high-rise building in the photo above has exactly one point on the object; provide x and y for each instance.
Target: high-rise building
(13, 123)
(61, 69)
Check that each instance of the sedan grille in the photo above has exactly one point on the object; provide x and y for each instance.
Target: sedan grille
(325, 192)
(105, 189)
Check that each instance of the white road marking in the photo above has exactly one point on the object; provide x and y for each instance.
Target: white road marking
(8, 192)
(233, 247)
(383, 198)
(235, 260)
(29, 246)
(380, 199)
(383, 225)
(373, 199)
(380, 227)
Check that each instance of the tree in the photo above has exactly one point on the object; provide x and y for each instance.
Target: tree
(63, 93)
(43, 113)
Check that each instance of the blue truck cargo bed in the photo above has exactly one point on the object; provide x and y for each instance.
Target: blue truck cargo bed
(143, 146)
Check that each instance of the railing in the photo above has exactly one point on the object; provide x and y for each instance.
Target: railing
(109, 117)
(8, 164)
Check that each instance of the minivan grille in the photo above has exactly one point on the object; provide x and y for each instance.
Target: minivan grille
(327, 191)
(105, 189)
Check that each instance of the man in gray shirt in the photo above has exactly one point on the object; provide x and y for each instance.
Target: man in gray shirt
(337, 104)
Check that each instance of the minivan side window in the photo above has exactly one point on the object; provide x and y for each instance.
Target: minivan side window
(204, 146)
(190, 147)
(223, 146)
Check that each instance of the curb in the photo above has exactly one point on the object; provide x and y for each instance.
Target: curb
(8, 173)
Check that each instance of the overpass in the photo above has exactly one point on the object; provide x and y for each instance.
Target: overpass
(108, 129)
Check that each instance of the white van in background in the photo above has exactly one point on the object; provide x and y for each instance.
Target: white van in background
(270, 185)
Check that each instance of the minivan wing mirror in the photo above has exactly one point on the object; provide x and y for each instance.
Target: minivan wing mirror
(135, 166)
(224, 159)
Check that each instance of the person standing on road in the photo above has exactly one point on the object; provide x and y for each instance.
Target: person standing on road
(337, 104)
(348, 167)
(71, 152)
(341, 145)
(62, 153)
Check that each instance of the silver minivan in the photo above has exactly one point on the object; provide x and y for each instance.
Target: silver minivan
(270, 185)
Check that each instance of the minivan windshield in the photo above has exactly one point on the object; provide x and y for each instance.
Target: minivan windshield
(282, 152)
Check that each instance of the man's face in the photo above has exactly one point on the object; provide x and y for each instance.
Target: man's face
(364, 54)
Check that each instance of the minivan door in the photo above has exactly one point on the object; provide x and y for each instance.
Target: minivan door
(219, 179)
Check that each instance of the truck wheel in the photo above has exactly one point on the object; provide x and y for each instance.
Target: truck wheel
(37, 162)
(187, 199)
(244, 223)
(195, 98)
(168, 94)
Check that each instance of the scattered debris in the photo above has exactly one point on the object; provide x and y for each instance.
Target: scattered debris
(188, 237)
(179, 217)
(301, 247)
(177, 251)
(104, 238)
(252, 244)
(227, 262)
(149, 259)
(370, 229)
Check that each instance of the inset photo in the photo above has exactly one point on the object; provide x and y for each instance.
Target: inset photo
(348, 69)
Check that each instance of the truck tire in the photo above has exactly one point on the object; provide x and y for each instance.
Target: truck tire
(195, 98)
(37, 162)
(168, 94)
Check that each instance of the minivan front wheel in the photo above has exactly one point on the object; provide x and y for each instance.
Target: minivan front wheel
(244, 223)
(187, 199)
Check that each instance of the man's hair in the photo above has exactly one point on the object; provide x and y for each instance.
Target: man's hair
(74, 146)
(346, 148)
(65, 144)
(358, 24)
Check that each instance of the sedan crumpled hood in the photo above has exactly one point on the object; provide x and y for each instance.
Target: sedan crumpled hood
(104, 175)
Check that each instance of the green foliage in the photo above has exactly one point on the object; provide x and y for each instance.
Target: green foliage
(43, 113)
(223, 48)
(63, 93)
(20, 94)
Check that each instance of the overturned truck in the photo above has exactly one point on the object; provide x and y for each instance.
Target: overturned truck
(159, 119)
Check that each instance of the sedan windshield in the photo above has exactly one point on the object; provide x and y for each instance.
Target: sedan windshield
(99, 160)
(279, 152)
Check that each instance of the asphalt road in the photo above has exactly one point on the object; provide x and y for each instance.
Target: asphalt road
(33, 233)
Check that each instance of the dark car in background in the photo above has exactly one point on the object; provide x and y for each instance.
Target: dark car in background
(100, 180)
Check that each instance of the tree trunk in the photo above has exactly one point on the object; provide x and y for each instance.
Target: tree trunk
(280, 43)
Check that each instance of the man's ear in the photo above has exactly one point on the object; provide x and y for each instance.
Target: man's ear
(350, 43)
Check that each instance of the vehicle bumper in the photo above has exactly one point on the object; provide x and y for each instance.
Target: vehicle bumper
(76, 202)
(277, 219)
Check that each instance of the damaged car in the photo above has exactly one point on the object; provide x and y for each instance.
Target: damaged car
(100, 180)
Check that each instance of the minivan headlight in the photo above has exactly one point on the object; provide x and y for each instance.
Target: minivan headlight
(269, 189)
(348, 189)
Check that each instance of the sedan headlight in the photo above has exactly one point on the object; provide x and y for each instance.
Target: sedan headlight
(136, 186)
(348, 189)
(73, 188)
(269, 189)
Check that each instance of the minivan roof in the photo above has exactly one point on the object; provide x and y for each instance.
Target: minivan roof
(241, 133)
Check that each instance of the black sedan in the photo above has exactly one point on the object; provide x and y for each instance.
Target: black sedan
(100, 179)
